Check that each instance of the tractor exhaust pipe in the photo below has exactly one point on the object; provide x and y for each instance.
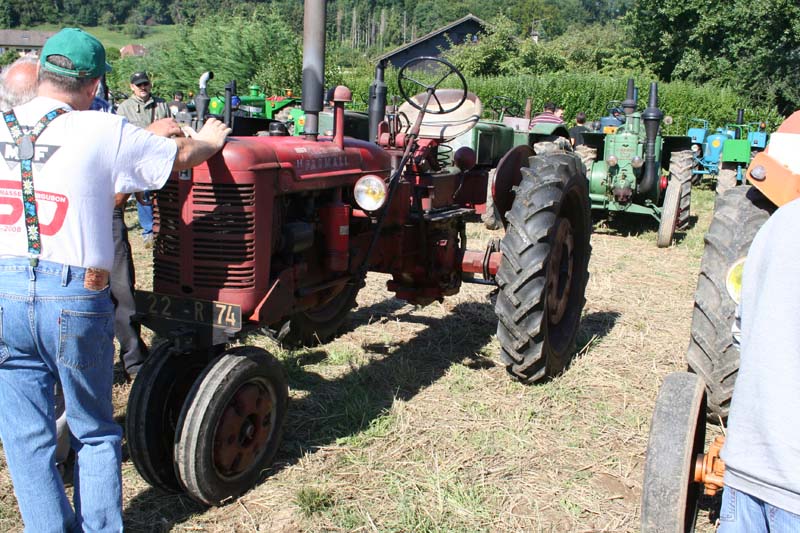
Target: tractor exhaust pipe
(202, 99)
(651, 117)
(377, 101)
(313, 63)
(629, 104)
(739, 120)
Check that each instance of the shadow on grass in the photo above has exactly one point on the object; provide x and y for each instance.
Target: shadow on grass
(344, 406)
(333, 409)
(633, 225)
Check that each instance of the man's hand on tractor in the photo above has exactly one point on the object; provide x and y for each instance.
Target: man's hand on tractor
(213, 132)
(165, 127)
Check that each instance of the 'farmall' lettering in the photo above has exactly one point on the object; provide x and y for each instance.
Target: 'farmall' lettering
(321, 163)
(11, 207)
(41, 154)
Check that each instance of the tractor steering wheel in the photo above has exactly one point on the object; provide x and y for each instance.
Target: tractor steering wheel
(406, 82)
(503, 105)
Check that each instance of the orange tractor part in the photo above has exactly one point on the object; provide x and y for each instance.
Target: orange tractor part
(776, 171)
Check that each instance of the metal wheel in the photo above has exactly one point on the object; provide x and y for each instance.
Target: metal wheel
(438, 70)
(154, 405)
(231, 425)
(677, 436)
(669, 214)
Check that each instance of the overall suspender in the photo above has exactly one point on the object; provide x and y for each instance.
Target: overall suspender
(25, 144)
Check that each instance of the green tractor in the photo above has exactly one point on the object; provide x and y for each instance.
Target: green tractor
(503, 145)
(747, 140)
(637, 170)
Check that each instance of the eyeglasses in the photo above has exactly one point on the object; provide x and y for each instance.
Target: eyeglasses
(143, 85)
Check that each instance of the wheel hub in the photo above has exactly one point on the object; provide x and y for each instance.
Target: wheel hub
(560, 270)
(243, 429)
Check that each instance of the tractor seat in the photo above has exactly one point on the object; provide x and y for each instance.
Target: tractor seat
(517, 123)
(450, 125)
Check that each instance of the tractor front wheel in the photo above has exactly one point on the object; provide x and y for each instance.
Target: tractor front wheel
(543, 275)
(738, 215)
(678, 197)
(670, 496)
(231, 425)
(154, 405)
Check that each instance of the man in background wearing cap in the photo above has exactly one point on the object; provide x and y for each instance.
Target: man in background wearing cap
(56, 247)
(142, 109)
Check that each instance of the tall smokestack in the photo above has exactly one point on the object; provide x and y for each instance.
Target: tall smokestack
(313, 63)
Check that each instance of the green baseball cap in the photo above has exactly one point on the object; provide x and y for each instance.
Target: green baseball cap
(84, 50)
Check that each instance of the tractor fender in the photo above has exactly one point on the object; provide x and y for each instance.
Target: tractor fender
(776, 171)
(508, 176)
(547, 132)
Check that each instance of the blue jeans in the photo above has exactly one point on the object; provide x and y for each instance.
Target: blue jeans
(742, 513)
(145, 214)
(52, 328)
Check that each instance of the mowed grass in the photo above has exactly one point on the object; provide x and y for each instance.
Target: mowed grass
(408, 421)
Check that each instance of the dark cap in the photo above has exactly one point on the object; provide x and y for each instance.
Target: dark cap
(139, 77)
(86, 53)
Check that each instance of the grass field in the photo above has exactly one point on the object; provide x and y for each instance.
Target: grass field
(407, 422)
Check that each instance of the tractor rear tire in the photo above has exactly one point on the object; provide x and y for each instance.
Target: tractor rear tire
(491, 218)
(680, 168)
(726, 179)
(231, 425)
(670, 497)
(670, 210)
(588, 156)
(678, 197)
(542, 278)
(321, 324)
(738, 215)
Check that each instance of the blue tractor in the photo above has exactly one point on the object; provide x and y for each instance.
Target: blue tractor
(707, 149)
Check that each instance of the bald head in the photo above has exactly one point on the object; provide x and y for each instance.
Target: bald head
(18, 82)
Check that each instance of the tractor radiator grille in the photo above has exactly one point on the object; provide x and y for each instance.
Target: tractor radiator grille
(222, 236)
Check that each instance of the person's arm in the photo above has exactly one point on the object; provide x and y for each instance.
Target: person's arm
(201, 146)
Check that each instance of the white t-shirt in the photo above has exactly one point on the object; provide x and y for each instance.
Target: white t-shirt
(81, 160)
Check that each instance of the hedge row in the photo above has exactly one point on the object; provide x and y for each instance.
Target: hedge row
(591, 93)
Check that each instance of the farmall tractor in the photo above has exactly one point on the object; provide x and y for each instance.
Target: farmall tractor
(677, 470)
(634, 169)
(279, 232)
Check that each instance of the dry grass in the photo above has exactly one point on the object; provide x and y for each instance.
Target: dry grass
(408, 423)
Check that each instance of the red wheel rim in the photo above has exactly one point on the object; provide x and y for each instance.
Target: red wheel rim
(244, 429)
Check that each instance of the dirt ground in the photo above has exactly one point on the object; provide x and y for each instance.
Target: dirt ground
(407, 422)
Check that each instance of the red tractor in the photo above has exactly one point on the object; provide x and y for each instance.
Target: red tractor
(280, 231)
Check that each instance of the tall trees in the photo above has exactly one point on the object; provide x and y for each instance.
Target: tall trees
(751, 46)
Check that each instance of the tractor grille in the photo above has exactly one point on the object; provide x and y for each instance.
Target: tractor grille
(222, 237)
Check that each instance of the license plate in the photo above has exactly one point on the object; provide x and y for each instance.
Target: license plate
(215, 314)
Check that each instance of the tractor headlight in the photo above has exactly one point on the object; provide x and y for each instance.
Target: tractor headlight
(611, 160)
(733, 281)
(637, 162)
(696, 148)
(370, 192)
